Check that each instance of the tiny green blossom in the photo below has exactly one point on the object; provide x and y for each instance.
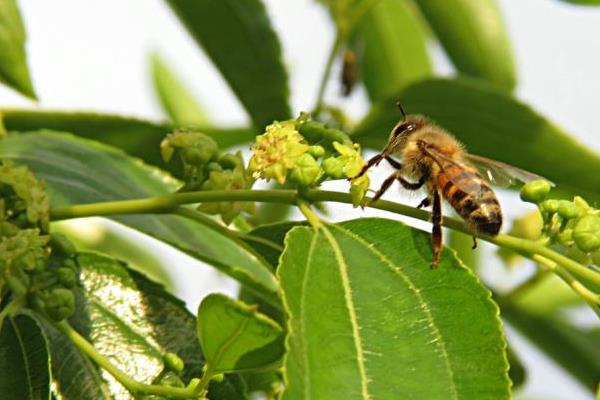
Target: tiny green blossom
(353, 163)
(306, 171)
(228, 179)
(276, 151)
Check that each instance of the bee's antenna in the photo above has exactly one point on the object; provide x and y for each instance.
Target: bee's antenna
(401, 109)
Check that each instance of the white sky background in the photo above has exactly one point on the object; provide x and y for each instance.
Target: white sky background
(92, 55)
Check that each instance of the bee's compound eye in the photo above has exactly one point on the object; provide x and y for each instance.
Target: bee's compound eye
(404, 128)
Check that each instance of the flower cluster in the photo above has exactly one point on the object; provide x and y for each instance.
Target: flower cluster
(573, 225)
(205, 168)
(34, 264)
(308, 153)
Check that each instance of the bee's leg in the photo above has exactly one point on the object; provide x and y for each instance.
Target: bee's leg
(474, 243)
(412, 185)
(393, 162)
(384, 187)
(426, 202)
(436, 233)
(375, 160)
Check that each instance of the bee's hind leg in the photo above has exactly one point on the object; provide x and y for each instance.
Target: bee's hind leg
(474, 243)
(436, 232)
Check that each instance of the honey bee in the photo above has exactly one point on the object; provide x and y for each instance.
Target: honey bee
(433, 158)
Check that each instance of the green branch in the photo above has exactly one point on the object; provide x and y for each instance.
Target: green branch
(193, 390)
(169, 203)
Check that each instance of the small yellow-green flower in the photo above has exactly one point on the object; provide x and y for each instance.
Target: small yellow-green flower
(352, 163)
(276, 151)
(351, 158)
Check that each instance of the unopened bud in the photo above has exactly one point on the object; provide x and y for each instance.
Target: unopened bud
(536, 191)
(586, 233)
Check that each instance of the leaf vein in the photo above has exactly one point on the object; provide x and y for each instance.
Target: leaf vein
(343, 268)
(434, 331)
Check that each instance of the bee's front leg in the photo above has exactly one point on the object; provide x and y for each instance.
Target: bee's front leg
(436, 232)
(375, 160)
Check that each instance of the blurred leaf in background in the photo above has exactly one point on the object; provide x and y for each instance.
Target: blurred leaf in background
(174, 97)
(473, 35)
(13, 59)
(391, 46)
(247, 53)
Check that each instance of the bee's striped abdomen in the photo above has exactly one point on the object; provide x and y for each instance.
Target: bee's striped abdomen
(471, 197)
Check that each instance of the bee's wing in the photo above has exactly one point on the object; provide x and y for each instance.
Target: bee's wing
(501, 174)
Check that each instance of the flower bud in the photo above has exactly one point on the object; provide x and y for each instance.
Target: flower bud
(66, 277)
(358, 189)
(173, 362)
(59, 304)
(586, 233)
(306, 170)
(230, 161)
(568, 209)
(316, 151)
(334, 167)
(61, 245)
(549, 206)
(214, 167)
(536, 191)
(565, 237)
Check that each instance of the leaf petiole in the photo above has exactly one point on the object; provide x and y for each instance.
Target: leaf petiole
(167, 203)
(193, 390)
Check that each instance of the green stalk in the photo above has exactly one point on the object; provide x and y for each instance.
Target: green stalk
(191, 391)
(167, 203)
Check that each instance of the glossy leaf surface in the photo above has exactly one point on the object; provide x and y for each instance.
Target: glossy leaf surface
(24, 360)
(370, 319)
(130, 320)
(235, 337)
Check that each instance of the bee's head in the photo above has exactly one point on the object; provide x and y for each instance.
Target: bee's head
(403, 130)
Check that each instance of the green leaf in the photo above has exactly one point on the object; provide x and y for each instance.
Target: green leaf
(117, 244)
(81, 171)
(13, 59)
(130, 320)
(74, 375)
(247, 53)
(584, 2)
(547, 296)
(268, 240)
(137, 137)
(576, 350)
(235, 337)
(393, 43)
(517, 372)
(24, 360)
(369, 318)
(177, 102)
(474, 36)
(492, 124)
